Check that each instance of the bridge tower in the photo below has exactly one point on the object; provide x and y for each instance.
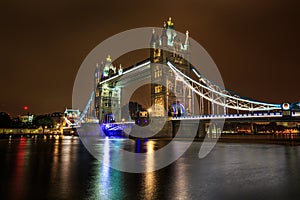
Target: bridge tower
(107, 95)
(164, 84)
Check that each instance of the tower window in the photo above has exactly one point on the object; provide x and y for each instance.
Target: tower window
(157, 52)
(158, 89)
(158, 73)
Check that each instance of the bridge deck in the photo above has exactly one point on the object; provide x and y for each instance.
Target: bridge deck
(236, 116)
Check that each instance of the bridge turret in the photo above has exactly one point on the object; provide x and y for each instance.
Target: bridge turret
(153, 42)
(171, 33)
(97, 76)
(97, 73)
(164, 37)
(107, 67)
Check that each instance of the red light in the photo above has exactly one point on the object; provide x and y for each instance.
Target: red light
(25, 107)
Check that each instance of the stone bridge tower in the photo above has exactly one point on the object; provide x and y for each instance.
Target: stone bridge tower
(166, 90)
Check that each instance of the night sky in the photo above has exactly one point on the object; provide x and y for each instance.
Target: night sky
(254, 43)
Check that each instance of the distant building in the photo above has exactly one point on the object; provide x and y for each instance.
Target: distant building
(26, 119)
(72, 113)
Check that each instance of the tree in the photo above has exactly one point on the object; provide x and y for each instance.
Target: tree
(44, 121)
(5, 120)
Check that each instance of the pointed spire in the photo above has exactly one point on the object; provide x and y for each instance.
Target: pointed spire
(120, 71)
(153, 39)
(97, 71)
(164, 38)
(187, 40)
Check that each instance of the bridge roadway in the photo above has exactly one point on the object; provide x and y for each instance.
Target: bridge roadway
(271, 116)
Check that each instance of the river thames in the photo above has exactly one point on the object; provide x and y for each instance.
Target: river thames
(62, 168)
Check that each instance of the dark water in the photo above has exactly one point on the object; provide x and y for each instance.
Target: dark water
(64, 169)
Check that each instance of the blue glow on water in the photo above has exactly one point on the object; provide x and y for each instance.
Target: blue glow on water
(138, 146)
(111, 129)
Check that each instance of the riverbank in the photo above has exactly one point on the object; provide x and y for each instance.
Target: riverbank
(37, 135)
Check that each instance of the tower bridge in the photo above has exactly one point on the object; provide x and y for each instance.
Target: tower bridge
(178, 91)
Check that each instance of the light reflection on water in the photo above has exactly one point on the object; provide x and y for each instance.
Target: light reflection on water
(104, 178)
(19, 169)
(61, 168)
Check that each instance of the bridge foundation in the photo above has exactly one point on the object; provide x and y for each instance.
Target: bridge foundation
(186, 128)
(201, 130)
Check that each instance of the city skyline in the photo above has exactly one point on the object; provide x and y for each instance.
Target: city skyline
(254, 45)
